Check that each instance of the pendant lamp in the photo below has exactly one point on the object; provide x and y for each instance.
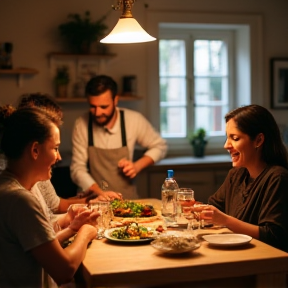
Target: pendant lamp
(127, 29)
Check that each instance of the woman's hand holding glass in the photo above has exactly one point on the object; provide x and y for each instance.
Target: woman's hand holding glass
(216, 216)
(203, 213)
(80, 214)
(75, 209)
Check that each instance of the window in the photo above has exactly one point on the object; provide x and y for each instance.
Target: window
(245, 66)
(195, 81)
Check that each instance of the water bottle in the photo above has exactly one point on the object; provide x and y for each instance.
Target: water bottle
(169, 199)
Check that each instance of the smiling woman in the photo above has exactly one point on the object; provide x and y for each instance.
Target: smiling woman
(30, 139)
(253, 199)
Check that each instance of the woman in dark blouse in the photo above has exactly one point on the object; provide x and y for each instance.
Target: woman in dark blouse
(253, 199)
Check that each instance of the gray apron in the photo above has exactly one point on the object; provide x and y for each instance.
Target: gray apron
(103, 163)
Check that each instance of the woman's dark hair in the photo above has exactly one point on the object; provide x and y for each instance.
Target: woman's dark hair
(255, 119)
(100, 84)
(23, 126)
(43, 101)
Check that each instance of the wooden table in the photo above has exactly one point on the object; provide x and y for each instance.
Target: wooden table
(111, 264)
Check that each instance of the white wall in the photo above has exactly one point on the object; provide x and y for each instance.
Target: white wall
(32, 27)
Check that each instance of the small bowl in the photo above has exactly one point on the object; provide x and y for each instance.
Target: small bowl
(175, 243)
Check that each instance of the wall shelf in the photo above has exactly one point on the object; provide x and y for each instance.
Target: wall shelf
(78, 57)
(19, 72)
(81, 68)
(83, 99)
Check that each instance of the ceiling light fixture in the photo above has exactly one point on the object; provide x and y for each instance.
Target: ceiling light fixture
(127, 29)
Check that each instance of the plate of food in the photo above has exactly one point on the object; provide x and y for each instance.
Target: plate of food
(127, 210)
(175, 243)
(132, 232)
(227, 239)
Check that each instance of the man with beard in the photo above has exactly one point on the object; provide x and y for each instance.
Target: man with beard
(103, 144)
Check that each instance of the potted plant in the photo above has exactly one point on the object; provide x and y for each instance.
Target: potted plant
(80, 32)
(198, 141)
(61, 80)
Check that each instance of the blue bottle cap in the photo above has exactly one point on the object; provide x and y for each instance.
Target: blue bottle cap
(170, 173)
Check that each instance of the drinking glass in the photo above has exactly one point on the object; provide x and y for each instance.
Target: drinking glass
(189, 215)
(203, 214)
(185, 202)
(106, 214)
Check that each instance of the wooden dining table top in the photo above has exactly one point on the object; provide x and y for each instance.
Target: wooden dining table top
(113, 264)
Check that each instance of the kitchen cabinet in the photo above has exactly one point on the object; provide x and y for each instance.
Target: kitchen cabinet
(19, 72)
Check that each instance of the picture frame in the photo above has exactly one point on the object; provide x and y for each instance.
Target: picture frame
(279, 83)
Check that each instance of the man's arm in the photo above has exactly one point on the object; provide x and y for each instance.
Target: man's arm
(139, 130)
(149, 138)
(61, 264)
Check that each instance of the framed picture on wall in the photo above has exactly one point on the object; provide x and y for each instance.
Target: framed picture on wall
(279, 83)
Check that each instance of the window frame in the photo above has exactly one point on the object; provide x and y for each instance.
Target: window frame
(189, 35)
(246, 26)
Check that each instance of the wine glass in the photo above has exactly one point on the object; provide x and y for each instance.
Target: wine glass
(186, 200)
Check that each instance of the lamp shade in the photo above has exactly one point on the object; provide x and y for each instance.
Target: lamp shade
(127, 30)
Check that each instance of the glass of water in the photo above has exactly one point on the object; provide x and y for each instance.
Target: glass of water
(103, 221)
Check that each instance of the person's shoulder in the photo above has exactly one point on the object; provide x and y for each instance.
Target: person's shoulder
(82, 119)
(134, 117)
(130, 112)
(9, 185)
(13, 193)
(44, 185)
(278, 171)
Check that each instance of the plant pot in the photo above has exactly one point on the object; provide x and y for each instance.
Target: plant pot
(199, 150)
(199, 147)
(61, 91)
(85, 48)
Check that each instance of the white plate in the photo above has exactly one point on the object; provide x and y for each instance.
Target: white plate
(227, 239)
(108, 232)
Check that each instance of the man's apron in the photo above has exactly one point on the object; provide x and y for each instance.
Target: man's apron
(103, 163)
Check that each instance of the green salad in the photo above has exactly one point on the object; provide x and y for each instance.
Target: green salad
(132, 231)
(125, 208)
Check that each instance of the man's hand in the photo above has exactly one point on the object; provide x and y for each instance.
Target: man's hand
(106, 196)
(128, 168)
(96, 194)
